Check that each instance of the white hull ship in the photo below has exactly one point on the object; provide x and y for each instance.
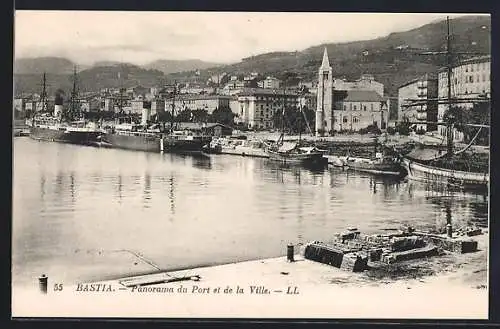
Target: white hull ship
(421, 172)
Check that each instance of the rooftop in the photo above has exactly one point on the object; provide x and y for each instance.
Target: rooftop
(359, 96)
(266, 91)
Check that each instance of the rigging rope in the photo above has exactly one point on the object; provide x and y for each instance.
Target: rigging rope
(471, 142)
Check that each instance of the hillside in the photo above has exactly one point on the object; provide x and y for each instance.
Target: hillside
(174, 66)
(91, 79)
(393, 59)
(54, 65)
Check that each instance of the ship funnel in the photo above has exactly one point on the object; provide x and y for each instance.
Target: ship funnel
(59, 100)
(145, 116)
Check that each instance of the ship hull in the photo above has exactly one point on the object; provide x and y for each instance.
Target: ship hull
(174, 145)
(63, 136)
(421, 172)
(393, 169)
(132, 142)
(299, 159)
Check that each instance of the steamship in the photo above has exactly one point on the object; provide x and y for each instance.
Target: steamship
(151, 138)
(61, 126)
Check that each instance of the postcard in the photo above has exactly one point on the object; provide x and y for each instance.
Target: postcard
(251, 165)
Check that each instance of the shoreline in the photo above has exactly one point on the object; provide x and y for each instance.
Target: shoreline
(299, 289)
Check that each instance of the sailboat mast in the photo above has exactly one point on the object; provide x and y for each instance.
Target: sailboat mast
(449, 126)
(44, 93)
(73, 96)
(173, 108)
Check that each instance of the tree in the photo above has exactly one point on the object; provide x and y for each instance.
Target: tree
(184, 116)
(403, 127)
(478, 114)
(223, 115)
(200, 115)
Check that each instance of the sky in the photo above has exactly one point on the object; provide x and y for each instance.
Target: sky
(222, 37)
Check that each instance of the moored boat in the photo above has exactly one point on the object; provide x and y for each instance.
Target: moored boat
(61, 126)
(380, 164)
(421, 172)
(131, 136)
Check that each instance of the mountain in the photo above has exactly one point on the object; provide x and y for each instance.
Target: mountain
(393, 60)
(174, 66)
(91, 79)
(39, 65)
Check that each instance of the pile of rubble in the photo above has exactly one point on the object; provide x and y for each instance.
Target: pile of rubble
(352, 251)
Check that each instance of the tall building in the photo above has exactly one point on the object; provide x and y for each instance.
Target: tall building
(418, 103)
(469, 79)
(257, 106)
(324, 97)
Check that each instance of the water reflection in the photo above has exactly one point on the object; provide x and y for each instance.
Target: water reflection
(220, 208)
(147, 190)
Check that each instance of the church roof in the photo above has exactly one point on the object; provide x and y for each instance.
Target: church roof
(326, 62)
(362, 96)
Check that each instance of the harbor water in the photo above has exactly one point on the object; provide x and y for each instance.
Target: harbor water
(76, 209)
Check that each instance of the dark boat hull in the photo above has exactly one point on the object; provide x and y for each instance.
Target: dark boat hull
(132, 142)
(175, 145)
(63, 136)
(299, 159)
(393, 169)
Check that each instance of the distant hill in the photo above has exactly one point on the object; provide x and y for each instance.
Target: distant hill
(39, 65)
(393, 60)
(92, 79)
(174, 66)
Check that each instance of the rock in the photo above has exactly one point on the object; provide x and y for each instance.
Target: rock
(354, 262)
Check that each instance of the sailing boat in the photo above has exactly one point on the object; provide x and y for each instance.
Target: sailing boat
(441, 167)
(294, 152)
(66, 126)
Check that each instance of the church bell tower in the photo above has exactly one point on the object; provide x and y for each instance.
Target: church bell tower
(324, 97)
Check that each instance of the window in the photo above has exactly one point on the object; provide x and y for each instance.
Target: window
(355, 119)
(354, 107)
(471, 79)
(345, 107)
(472, 68)
(364, 107)
(344, 120)
(371, 107)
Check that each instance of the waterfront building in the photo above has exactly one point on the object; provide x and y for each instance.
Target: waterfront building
(469, 79)
(198, 102)
(424, 90)
(257, 106)
(358, 109)
(209, 128)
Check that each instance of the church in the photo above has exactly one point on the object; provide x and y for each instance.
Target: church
(348, 109)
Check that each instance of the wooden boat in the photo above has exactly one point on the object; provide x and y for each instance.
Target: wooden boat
(438, 167)
(421, 172)
(293, 153)
(380, 164)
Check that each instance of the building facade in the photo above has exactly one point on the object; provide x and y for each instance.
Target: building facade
(257, 106)
(358, 109)
(269, 83)
(470, 79)
(365, 82)
(199, 102)
(417, 102)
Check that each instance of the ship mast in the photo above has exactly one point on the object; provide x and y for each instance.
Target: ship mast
(173, 109)
(74, 95)
(44, 93)
(449, 125)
